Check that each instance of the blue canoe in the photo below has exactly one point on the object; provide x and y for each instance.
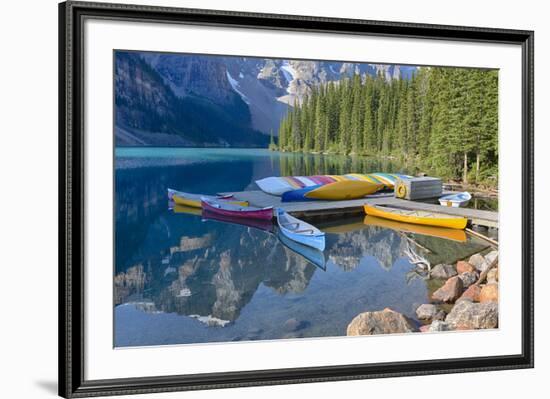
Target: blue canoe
(299, 194)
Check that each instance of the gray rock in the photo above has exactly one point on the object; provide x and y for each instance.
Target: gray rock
(467, 315)
(440, 315)
(438, 325)
(490, 257)
(450, 292)
(479, 262)
(426, 311)
(443, 271)
(468, 278)
(385, 321)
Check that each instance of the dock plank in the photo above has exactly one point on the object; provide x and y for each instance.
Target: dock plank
(318, 208)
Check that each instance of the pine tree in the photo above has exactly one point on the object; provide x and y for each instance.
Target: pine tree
(282, 133)
(412, 118)
(402, 125)
(296, 134)
(426, 94)
(344, 120)
(369, 139)
(356, 115)
(320, 120)
(487, 150)
(272, 145)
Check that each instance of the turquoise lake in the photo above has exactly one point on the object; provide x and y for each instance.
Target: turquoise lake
(179, 279)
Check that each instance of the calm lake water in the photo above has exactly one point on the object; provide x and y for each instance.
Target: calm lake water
(180, 279)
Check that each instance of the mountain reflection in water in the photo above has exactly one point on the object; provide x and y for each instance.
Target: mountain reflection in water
(182, 279)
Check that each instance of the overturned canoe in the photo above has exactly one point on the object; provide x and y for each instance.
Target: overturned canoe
(298, 195)
(300, 231)
(276, 185)
(194, 200)
(227, 209)
(417, 217)
(344, 190)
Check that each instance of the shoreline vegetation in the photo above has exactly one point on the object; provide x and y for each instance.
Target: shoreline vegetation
(442, 120)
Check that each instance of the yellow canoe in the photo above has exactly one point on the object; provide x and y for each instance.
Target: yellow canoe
(432, 231)
(344, 190)
(187, 210)
(417, 217)
(194, 201)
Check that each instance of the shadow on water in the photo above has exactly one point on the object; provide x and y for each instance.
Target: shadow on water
(180, 278)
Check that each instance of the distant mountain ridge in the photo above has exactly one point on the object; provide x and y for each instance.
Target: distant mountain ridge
(201, 100)
(149, 112)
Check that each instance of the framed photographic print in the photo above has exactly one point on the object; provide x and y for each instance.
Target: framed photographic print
(252, 199)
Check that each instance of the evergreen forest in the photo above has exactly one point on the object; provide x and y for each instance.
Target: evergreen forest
(443, 120)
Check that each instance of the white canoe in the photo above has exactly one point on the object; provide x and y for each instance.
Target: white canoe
(455, 200)
(300, 231)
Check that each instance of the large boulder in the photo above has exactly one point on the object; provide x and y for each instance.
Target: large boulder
(489, 293)
(479, 262)
(450, 292)
(467, 315)
(468, 278)
(385, 321)
(463, 267)
(426, 311)
(443, 271)
(471, 294)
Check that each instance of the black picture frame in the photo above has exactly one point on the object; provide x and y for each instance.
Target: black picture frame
(71, 199)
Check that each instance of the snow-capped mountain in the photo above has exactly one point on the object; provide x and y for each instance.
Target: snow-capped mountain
(248, 96)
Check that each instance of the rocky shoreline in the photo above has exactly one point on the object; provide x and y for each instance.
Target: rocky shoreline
(467, 299)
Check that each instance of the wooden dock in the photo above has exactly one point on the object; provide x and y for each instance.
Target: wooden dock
(335, 208)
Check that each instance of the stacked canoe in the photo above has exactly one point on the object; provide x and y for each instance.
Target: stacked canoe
(328, 187)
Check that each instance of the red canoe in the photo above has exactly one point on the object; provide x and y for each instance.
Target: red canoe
(238, 211)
